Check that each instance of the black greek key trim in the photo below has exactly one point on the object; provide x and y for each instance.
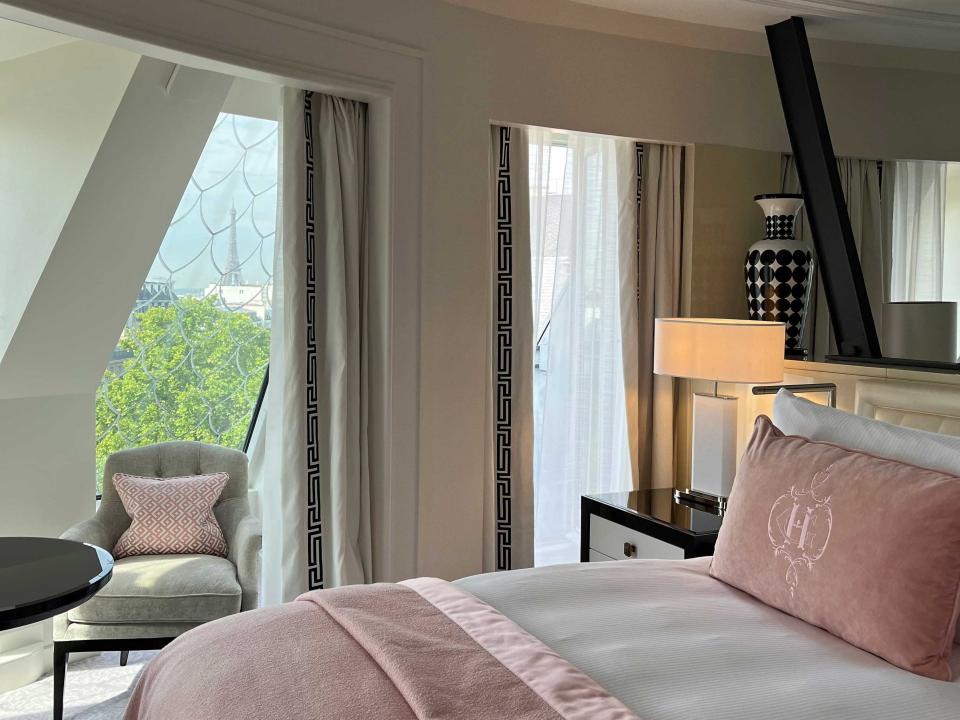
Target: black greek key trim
(503, 359)
(639, 198)
(314, 526)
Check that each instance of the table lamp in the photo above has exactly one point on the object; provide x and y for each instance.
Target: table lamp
(731, 351)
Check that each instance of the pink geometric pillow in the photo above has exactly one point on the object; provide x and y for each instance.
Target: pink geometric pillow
(170, 516)
(866, 548)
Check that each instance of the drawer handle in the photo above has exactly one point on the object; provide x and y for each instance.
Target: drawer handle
(629, 549)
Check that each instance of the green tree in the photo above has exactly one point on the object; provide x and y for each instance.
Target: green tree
(194, 373)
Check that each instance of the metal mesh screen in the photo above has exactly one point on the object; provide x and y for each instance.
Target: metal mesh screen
(192, 355)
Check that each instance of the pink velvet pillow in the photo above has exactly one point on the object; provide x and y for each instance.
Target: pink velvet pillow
(170, 516)
(865, 548)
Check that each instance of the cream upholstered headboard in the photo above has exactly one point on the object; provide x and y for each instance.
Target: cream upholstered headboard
(922, 406)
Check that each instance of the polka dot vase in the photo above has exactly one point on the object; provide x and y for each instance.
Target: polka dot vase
(779, 270)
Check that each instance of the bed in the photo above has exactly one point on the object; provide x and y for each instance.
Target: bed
(649, 639)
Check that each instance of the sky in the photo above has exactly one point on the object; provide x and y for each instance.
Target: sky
(237, 168)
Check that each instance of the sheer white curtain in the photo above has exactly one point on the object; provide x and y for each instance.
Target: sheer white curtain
(919, 203)
(581, 443)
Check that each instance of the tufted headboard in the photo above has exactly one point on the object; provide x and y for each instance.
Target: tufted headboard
(922, 406)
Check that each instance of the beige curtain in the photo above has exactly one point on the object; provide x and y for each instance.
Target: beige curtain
(860, 180)
(651, 251)
(316, 471)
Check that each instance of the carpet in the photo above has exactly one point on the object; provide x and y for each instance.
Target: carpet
(97, 688)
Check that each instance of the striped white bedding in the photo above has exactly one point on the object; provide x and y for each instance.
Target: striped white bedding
(672, 643)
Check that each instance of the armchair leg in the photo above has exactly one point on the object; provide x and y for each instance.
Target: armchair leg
(124, 654)
(60, 655)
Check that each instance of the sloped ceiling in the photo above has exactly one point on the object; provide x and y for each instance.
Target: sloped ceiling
(17, 40)
(915, 25)
(931, 24)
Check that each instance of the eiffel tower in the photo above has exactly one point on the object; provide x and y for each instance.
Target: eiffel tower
(231, 274)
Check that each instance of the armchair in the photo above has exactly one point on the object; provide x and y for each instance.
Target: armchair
(154, 598)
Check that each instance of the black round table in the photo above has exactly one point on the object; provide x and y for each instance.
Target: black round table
(43, 577)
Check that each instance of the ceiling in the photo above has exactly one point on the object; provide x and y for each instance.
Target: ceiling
(738, 24)
(932, 24)
(17, 40)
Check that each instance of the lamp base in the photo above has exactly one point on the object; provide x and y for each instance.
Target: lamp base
(714, 444)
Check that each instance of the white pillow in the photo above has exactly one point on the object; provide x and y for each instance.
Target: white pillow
(798, 416)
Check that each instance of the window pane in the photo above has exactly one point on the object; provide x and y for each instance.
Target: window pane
(191, 358)
(580, 420)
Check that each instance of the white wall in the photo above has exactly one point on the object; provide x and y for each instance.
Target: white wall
(47, 480)
(57, 106)
(475, 68)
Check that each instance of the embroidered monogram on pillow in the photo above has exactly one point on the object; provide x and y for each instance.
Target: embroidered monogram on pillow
(863, 547)
(171, 516)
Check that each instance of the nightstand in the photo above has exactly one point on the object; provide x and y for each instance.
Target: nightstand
(645, 524)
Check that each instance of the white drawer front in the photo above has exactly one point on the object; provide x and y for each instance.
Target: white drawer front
(608, 538)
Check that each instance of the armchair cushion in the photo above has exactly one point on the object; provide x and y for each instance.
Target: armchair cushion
(164, 589)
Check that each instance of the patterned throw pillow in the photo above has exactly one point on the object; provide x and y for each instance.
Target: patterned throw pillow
(171, 516)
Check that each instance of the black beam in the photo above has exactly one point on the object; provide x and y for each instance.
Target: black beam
(256, 410)
(825, 205)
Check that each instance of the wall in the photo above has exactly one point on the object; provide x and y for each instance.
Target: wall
(58, 105)
(475, 68)
(45, 489)
(725, 221)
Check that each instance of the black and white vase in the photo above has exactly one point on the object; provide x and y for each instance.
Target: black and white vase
(779, 270)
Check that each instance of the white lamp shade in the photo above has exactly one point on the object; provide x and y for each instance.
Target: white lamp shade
(734, 351)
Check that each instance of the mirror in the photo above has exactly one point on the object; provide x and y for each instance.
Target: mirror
(886, 273)
(905, 217)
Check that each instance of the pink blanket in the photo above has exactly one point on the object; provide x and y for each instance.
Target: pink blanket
(419, 649)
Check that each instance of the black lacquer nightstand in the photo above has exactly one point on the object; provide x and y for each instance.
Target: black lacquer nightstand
(645, 524)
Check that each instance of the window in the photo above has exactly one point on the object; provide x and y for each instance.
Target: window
(192, 356)
(580, 420)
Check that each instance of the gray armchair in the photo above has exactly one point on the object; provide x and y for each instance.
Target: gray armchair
(153, 598)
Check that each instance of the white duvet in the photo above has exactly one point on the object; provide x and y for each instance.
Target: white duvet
(672, 643)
